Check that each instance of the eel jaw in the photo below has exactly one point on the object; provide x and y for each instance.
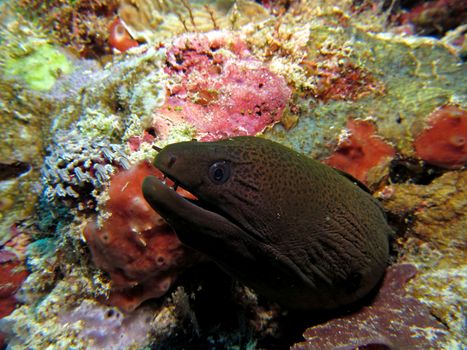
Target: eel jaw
(176, 209)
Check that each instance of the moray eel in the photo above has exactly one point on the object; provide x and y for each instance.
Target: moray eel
(295, 230)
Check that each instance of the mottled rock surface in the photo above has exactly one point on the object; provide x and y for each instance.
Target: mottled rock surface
(393, 320)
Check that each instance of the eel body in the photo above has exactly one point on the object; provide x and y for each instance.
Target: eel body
(295, 230)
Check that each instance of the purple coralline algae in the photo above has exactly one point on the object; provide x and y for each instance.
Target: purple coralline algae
(393, 320)
(108, 328)
(219, 88)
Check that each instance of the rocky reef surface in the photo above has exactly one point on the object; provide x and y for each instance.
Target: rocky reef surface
(88, 87)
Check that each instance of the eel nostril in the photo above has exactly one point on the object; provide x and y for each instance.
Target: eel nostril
(172, 160)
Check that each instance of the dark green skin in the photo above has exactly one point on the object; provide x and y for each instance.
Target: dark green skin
(293, 229)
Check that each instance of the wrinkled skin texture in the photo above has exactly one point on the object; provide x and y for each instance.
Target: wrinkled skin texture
(293, 229)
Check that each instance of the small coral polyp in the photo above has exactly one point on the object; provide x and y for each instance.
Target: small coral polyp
(444, 142)
(134, 245)
(219, 88)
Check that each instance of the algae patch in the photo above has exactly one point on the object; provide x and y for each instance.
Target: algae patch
(40, 68)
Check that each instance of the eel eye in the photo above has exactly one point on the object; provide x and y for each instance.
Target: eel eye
(219, 172)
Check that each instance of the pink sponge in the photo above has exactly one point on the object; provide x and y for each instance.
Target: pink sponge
(135, 245)
(444, 141)
(221, 89)
(360, 151)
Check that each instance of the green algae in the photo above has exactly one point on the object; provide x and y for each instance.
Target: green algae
(40, 68)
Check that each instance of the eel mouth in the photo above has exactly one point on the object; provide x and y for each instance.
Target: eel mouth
(171, 198)
(175, 203)
(179, 190)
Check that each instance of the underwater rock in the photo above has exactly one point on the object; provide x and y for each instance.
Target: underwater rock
(436, 211)
(219, 88)
(360, 150)
(444, 141)
(435, 219)
(393, 320)
(138, 249)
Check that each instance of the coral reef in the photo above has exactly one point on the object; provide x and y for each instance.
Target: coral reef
(210, 311)
(219, 89)
(431, 207)
(444, 141)
(134, 245)
(435, 242)
(59, 310)
(405, 79)
(25, 116)
(360, 150)
(393, 320)
(78, 167)
(318, 72)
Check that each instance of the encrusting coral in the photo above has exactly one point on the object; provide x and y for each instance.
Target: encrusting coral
(219, 88)
(38, 68)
